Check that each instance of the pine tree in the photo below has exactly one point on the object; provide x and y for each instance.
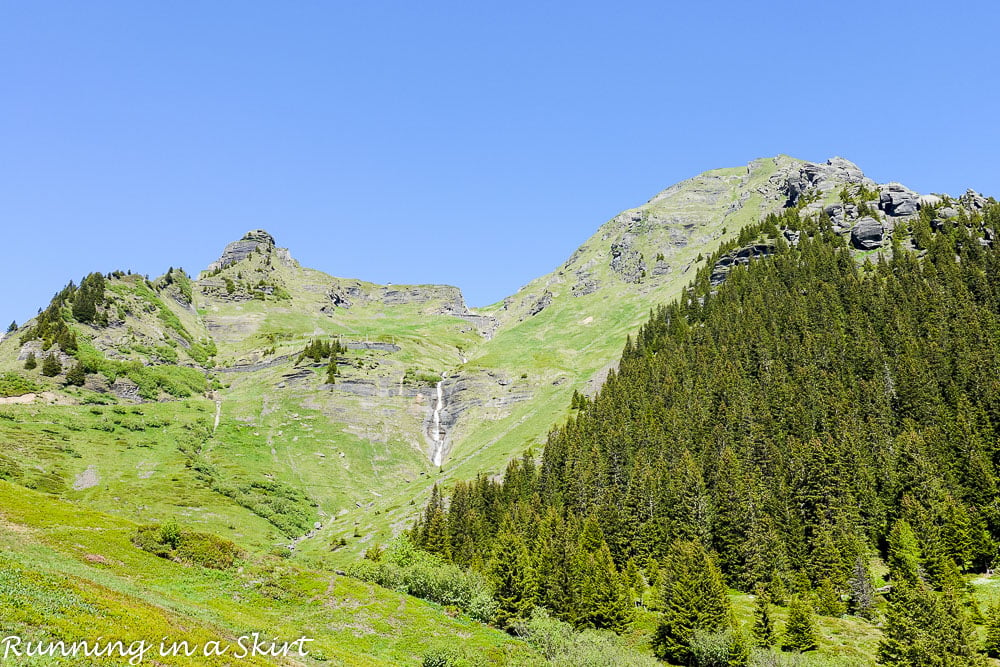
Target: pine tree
(513, 577)
(31, 362)
(992, 644)
(800, 630)
(76, 376)
(602, 599)
(51, 366)
(862, 592)
(433, 533)
(694, 598)
(13, 327)
(923, 627)
(764, 634)
(828, 601)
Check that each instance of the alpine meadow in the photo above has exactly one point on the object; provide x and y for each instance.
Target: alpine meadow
(753, 421)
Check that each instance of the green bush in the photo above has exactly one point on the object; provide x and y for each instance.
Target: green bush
(204, 549)
(563, 646)
(12, 384)
(405, 569)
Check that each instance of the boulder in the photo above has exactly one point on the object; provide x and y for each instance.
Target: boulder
(791, 237)
(947, 213)
(868, 234)
(896, 199)
(973, 201)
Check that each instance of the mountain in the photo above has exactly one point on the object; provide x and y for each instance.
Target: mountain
(298, 413)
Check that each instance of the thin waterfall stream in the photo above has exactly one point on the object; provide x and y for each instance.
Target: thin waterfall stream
(438, 454)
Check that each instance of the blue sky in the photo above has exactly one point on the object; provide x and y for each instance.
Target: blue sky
(475, 144)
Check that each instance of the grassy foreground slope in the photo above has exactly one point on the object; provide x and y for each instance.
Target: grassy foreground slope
(73, 574)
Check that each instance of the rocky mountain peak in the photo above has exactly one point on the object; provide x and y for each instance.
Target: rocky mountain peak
(241, 249)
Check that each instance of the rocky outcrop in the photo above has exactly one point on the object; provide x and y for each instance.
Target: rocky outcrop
(741, 256)
(371, 345)
(868, 234)
(626, 261)
(822, 178)
(897, 200)
(541, 304)
(451, 297)
(239, 250)
(486, 325)
(973, 201)
(126, 389)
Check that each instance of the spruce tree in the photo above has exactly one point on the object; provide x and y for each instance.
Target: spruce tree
(862, 600)
(76, 375)
(924, 627)
(694, 598)
(828, 601)
(433, 533)
(764, 634)
(800, 629)
(13, 327)
(51, 366)
(602, 597)
(513, 578)
(31, 362)
(992, 644)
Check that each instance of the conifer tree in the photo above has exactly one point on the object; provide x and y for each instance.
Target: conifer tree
(602, 599)
(764, 634)
(992, 644)
(433, 533)
(922, 627)
(513, 577)
(51, 366)
(828, 601)
(800, 630)
(694, 598)
(76, 375)
(31, 362)
(862, 600)
(13, 327)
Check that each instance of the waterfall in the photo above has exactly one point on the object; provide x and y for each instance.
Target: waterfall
(438, 454)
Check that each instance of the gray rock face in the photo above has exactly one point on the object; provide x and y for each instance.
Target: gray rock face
(824, 177)
(896, 199)
(453, 301)
(125, 388)
(867, 234)
(625, 261)
(541, 304)
(840, 214)
(741, 256)
(371, 345)
(947, 213)
(973, 201)
(661, 268)
(239, 250)
(584, 287)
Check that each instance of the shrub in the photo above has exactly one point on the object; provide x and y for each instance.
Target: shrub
(12, 384)
(204, 549)
(405, 569)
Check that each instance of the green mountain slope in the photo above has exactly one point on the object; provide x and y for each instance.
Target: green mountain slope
(192, 397)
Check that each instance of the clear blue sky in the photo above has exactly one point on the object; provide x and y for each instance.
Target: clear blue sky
(470, 143)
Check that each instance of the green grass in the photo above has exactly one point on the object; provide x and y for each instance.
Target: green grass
(74, 574)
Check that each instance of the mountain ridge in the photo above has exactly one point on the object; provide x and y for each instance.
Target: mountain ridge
(505, 373)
